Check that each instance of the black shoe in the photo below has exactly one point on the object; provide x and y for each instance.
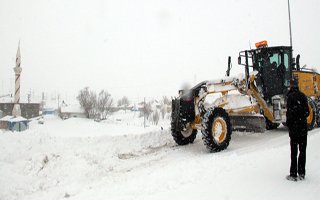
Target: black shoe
(291, 178)
(301, 177)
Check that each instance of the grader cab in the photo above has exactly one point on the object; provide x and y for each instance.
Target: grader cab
(253, 101)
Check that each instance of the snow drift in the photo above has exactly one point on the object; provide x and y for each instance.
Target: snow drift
(118, 159)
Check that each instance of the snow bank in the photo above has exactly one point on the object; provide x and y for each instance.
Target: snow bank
(37, 162)
(71, 153)
(82, 159)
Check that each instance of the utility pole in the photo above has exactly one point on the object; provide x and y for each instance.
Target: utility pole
(290, 23)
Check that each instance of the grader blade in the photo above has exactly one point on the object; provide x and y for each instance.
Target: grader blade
(250, 123)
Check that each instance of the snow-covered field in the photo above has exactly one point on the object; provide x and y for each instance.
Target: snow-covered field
(120, 159)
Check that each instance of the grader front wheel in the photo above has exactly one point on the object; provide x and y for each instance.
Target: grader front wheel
(216, 132)
(185, 136)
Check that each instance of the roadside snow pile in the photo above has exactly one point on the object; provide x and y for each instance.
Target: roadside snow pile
(38, 163)
(83, 159)
(70, 154)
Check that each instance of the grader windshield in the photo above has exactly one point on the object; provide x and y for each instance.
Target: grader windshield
(273, 65)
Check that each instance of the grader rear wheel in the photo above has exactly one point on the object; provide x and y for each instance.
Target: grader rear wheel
(216, 132)
(318, 113)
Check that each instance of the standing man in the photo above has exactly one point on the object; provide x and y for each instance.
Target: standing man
(297, 113)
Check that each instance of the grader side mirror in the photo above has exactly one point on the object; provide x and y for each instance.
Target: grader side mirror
(298, 62)
(229, 66)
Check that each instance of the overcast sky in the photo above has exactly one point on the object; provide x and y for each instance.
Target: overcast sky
(140, 48)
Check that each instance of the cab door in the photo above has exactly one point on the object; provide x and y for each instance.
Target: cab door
(276, 73)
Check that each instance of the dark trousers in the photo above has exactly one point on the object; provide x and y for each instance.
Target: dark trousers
(298, 165)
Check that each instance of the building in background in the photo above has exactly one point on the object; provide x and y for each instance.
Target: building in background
(14, 123)
(28, 110)
(68, 111)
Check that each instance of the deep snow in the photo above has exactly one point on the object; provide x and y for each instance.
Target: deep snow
(119, 159)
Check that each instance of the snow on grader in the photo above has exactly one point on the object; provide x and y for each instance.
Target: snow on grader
(253, 101)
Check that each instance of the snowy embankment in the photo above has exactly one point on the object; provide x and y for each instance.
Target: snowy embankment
(71, 153)
(119, 159)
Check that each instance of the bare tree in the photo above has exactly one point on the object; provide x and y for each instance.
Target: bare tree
(147, 110)
(124, 101)
(87, 101)
(163, 110)
(119, 103)
(104, 104)
(166, 100)
(93, 99)
(164, 107)
(94, 105)
(155, 117)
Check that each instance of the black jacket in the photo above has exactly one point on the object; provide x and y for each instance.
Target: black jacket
(297, 113)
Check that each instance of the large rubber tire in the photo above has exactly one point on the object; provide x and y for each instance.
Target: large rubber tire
(318, 113)
(217, 130)
(270, 125)
(186, 136)
(311, 119)
(182, 133)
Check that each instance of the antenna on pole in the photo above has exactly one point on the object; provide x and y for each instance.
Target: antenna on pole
(289, 22)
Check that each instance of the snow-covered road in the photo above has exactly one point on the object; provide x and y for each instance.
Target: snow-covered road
(62, 160)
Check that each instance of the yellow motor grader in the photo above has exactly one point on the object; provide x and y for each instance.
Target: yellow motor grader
(253, 101)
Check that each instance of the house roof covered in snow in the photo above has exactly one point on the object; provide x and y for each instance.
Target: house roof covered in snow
(6, 118)
(75, 108)
(10, 118)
